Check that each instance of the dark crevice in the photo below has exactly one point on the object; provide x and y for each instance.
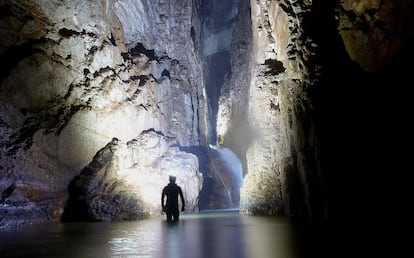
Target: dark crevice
(13, 56)
(22, 138)
(140, 49)
(112, 40)
(166, 73)
(102, 70)
(7, 192)
(274, 67)
(67, 33)
(142, 79)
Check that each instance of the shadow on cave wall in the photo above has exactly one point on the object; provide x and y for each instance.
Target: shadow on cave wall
(361, 122)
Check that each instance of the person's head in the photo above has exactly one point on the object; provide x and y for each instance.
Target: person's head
(172, 179)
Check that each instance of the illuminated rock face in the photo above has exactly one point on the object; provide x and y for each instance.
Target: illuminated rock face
(77, 74)
(333, 62)
(281, 151)
(125, 180)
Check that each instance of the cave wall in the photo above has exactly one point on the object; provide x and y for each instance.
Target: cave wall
(76, 75)
(282, 160)
(362, 104)
(312, 100)
(324, 147)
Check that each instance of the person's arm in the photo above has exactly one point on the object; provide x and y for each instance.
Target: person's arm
(162, 199)
(182, 200)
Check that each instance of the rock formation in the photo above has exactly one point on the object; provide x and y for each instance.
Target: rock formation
(101, 100)
(124, 180)
(78, 74)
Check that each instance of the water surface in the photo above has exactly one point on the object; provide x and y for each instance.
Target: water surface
(209, 235)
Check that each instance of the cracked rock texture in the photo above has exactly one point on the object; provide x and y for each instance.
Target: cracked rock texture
(76, 74)
(319, 77)
(123, 181)
(98, 100)
(282, 156)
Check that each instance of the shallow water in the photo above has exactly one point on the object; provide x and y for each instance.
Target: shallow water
(210, 234)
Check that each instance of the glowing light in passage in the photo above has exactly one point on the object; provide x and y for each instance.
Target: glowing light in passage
(228, 169)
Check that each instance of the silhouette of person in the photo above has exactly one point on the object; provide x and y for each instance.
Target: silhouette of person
(170, 207)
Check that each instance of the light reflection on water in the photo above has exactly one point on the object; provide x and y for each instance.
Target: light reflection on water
(140, 238)
(211, 235)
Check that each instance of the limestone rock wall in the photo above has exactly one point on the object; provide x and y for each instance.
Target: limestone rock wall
(321, 73)
(365, 47)
(77, 74)
(374, 32)
(125, 179)
(282, 158)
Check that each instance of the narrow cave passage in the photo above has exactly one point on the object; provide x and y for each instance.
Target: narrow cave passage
(216, 68)
(222, 182)
(217, 25)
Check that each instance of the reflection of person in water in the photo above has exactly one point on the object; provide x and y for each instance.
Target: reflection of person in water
(170, 207)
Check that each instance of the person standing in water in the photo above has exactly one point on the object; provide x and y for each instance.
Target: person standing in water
(169, 200)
